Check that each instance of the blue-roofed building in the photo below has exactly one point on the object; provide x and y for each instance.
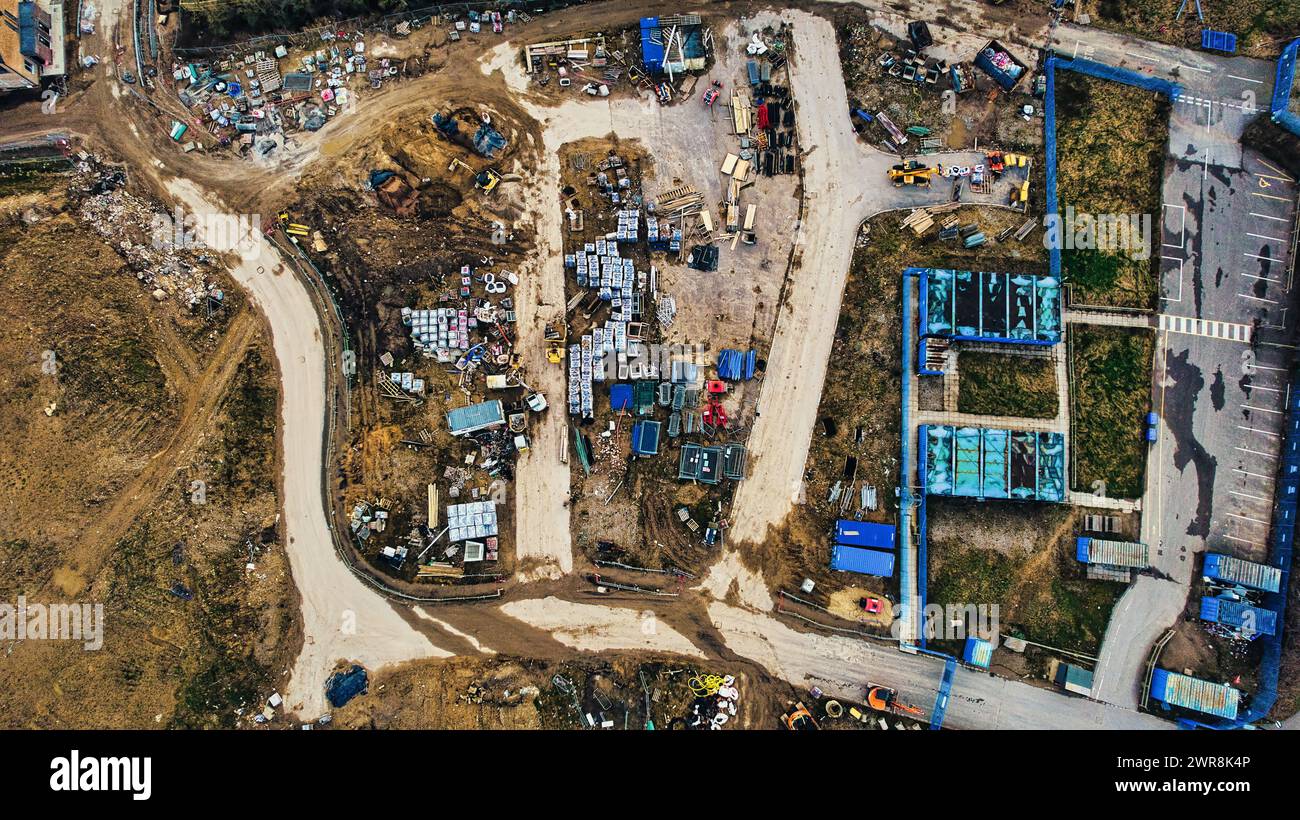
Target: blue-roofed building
(1239, 616)
(862, 561)
(978, 652)
(866, 534)
(645, 438)
(1227, 569)
(462, 421)
(31, 42)
(1184, 691)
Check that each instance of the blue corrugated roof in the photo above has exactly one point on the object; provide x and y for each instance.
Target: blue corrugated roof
(866, 534)
(1216, 699)
(863, 561)
(1239, 615)
(1219, 40)
(652, 53)
(475, 417)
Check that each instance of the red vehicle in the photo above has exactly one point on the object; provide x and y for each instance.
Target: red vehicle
(715, 415)
(869, 605)
(716, 386)
(711, 96)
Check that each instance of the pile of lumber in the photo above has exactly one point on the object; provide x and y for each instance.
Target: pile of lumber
(683, 198)
(742, 114)
(919, 220)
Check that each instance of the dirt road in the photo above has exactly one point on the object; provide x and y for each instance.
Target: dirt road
(833, 208)
(342, 618)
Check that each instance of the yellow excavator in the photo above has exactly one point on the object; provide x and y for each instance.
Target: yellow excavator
(912, 172)
(557, 334)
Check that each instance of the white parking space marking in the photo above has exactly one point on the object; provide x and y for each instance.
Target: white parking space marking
(1243, 540)
(1208, 328)
(1255, 452)
(1182, 227)
(1266, 216)
(1248, 495)
(1257, 256)
(1269, 238)
(1258, 278)
(1256, 430)
(1257, 298)
(1247, 518)
(1246, 79)
(1261, 409)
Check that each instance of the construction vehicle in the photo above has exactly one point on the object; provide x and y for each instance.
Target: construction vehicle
(711, 95)
(799, 719)
(885, 699)
(456, 163)
(487, 180)
(557, 334)
(912, 172)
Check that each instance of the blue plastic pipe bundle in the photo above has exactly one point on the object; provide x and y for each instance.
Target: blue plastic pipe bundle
(734, 366)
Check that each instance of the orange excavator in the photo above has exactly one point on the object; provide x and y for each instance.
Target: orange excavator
(799, 719)
(884, 699)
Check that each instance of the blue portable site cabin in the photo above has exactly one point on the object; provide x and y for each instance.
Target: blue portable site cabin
(976, 462)
(1226, 569)
(978, 653)
(866, 534)
(1003, 308)
(645, 438)
(1216, 699)
(862, 561)
(1239, 616)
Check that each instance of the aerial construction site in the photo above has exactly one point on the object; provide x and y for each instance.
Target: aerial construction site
(608, 366)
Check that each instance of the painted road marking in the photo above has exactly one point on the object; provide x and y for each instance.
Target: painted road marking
(1260, 278)
(1243, 540)
(1248, 495)
(1246, 79)
(1256, 430)
(1257, 298)
(1252, 475)
(1255, 452)
(1261, 409)
(1268, 196)
(1247, 518)
(1272, 167)
(1205, 327)
(1269, 238)
(1266, 216)
(1257, 256)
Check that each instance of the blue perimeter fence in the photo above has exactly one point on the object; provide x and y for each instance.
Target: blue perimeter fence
(1280, 109)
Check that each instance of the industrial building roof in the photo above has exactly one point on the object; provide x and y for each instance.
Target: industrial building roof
(1112, 553)
(990, 307)
(866, 534)
(863, 561)
(978, 462)
(1216, 699)
(700, 464)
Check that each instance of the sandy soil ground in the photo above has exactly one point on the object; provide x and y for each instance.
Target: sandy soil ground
(597, 628)
(342, 618)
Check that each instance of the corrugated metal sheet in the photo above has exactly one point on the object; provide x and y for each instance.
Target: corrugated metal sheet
(1199, 695)
(1222, 567)
(1239, 615)
(1112, 553)
(863, 561)
(465, 420)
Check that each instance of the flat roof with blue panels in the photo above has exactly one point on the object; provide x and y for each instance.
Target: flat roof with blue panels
(1225, 568)
(866, 534)
(1239, 615)
(1010, 308)
(978, 653)
(862, 561)
(482, 416)
(1216, 699)
(979, 462)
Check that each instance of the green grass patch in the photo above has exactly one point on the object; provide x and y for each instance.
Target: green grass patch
(995, 384)
(1111, 140)
(1040, 596)
(1111, 395)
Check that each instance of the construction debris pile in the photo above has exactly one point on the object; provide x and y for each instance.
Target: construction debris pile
(715, 703)
(157, 247)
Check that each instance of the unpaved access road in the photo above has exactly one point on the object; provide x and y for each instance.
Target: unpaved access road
(342, 618)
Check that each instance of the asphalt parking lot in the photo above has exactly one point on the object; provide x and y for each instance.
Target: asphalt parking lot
(1225, 339)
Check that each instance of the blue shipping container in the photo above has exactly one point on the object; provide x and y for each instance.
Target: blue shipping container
(862, 561)
(866, 534)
